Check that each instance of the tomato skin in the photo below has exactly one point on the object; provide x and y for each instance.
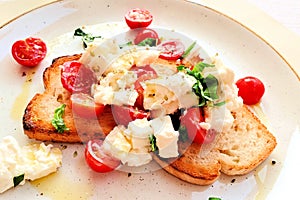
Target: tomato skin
(97, 159)
(251, 89)
(29, 52)
(125, 114)
(138, 18)
(76, 78)
(144, 34)
(143, 73)
(191, 121)
(171, 50)
(85, 106)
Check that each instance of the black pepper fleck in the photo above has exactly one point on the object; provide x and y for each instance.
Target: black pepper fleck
(233, 180)
(129, 174)
(273, 162)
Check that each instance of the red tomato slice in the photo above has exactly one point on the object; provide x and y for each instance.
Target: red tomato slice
(143, 73)
(125, 114)
(76, 78)
(29, 52)
(171, 50)
(144, 34)
(251, 89)
(97, 159)
(138, 18)
(191, 121)
(84, 106)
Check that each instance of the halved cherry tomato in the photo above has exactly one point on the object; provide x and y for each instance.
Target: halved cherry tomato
(138, 18)
(85, 106)
(76, 78)
(171, 50)
(29, 52)
(251, 89)
(143, 73)
(125, 114)
(191, 121)
(97, 159)
(144, 34)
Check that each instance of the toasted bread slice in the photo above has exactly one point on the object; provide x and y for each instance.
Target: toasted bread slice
(236, 152)
(40, 111)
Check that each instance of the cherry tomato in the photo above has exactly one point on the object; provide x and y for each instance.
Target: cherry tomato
(171, 50)
(76, 78)
(191, 121)
(138, 18)
(251, 90)
(85, 106)
(29, 52)
(143, 73)
(144, 34)
(125, 114)
(97, 159)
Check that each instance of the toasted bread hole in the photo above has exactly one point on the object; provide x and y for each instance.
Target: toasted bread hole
(235, 147)
(59, 97)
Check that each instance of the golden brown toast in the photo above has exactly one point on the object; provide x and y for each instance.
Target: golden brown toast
(236, 152)
(40, 111)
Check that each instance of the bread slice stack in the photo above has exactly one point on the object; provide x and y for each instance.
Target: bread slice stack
(236, 152)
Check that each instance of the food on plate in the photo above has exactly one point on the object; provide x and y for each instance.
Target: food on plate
(251, 89)
(29, 52)
(153, 98)
(138, 18)
(30, 162)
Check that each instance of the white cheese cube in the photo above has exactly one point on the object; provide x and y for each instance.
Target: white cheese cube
(166, 137)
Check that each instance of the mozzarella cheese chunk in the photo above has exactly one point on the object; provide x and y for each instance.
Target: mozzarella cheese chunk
(170, 92)
(34, 161)
(166, 137)
(138, 133)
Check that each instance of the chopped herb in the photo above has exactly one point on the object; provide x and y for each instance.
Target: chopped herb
(205, 87)
(121, 46)
(183, 136)
(18, 179)
(148, 42)
(58, 121)
(180, 67)
(214, 198)
(86, 37)
(188, 50)
(153, 143)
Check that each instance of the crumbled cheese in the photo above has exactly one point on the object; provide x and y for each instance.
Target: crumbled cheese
(34, 161)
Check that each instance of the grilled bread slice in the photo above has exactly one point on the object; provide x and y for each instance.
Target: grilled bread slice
(236, 152)
(40, 111)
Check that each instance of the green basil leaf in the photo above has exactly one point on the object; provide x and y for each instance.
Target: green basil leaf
(18, 179)
(183, 135)
(58, 121)
(148, 42)
(153, 143)
(188, 50)
(214, 198)
(86, 37)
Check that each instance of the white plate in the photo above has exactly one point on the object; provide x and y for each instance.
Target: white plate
(239, 48)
